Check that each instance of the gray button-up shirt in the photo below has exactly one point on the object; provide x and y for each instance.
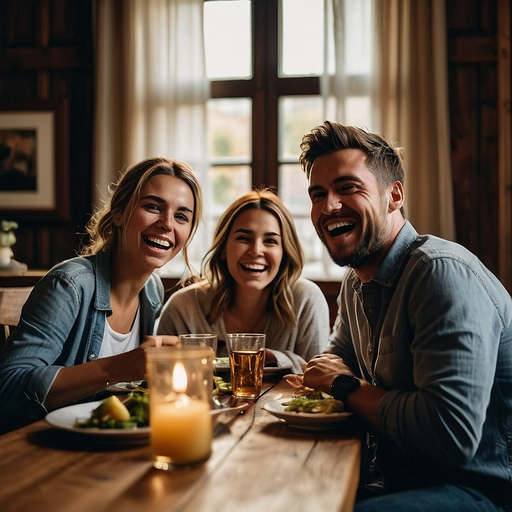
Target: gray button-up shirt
(434, 327)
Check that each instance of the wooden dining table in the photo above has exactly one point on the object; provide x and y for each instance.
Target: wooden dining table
(258, 464)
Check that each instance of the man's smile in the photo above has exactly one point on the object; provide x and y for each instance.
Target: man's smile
(339, 228)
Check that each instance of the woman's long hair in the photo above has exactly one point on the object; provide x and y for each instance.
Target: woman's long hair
(215, 268)
(125, 194)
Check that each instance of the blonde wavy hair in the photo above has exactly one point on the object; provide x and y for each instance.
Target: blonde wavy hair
(125, 194)
(215, 269)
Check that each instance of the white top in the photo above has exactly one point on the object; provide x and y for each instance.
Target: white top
(115, 343)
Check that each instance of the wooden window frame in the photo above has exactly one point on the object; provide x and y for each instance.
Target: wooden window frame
(265, 90)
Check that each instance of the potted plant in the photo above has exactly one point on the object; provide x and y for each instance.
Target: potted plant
(7, 239)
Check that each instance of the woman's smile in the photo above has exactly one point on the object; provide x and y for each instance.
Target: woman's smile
(254, 249)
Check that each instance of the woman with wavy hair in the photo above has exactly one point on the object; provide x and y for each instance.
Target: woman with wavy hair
(251, 283)
(87, 321)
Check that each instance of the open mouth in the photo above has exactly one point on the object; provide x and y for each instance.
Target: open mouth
(340, 228)
(254, 268)
(157, 243)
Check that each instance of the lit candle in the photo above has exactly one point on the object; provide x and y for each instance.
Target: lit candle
(181, 426)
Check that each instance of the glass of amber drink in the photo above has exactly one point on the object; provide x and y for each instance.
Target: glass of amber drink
(246, 360)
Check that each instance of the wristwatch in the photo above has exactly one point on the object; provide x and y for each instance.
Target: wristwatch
(343, 385)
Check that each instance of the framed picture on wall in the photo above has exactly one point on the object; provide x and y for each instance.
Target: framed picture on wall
(34, 171)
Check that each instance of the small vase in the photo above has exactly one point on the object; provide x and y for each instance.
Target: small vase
(5, 256)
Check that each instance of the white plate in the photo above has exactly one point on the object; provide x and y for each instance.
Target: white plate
(66, 417)
(229, 410)
(305, 420)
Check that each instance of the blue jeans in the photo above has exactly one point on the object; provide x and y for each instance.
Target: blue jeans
(441, 498)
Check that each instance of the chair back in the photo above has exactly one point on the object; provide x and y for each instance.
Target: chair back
(11, 302)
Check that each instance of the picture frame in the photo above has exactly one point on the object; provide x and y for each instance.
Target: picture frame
(34, 170)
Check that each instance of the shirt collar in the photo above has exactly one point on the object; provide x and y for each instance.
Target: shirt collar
(390, 268)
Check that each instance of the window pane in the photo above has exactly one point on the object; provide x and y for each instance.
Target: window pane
(301, 38)
(297, 115)
(293, 190)
(228, 39)
(358, 111)
(229, 129)
(229, 183)
(358, 46)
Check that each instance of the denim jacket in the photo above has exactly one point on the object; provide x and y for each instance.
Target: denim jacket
(434, 328)
(62, 324)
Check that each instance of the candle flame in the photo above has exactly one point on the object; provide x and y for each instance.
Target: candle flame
(179, 378)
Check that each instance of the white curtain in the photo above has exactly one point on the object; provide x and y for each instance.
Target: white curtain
(350, 75)
(407, 92)
(151, 91)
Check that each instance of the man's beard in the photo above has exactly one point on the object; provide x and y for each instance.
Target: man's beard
(365, 252)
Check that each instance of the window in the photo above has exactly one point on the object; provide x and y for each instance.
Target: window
(265, 59)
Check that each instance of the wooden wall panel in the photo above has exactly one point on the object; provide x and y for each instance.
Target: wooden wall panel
(486, 194)
(505, 141)
(46, 53)
(464, 150)
(472, 68)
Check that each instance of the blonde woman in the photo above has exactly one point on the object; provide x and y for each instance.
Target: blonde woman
(87, 321)
(252, 283)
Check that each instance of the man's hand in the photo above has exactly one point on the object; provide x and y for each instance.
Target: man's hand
(321, 370)
(320, 373)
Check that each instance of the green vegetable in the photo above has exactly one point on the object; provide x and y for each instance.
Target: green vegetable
(137, 405)
(314, 402)
(220, 386)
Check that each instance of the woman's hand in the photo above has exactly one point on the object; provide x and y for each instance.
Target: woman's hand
(132, 365)
(79, 381)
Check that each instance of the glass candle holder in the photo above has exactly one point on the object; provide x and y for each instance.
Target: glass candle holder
(180, 382)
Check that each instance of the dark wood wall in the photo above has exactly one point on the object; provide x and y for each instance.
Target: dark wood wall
(472, 56)
(46, 53)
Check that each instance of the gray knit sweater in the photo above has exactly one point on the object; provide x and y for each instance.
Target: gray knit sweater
(186, 310)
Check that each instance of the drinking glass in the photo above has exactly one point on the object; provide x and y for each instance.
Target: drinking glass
(180, 383)
(246, 360)
(199, 340)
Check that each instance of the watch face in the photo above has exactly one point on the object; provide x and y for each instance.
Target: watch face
(343, 385)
